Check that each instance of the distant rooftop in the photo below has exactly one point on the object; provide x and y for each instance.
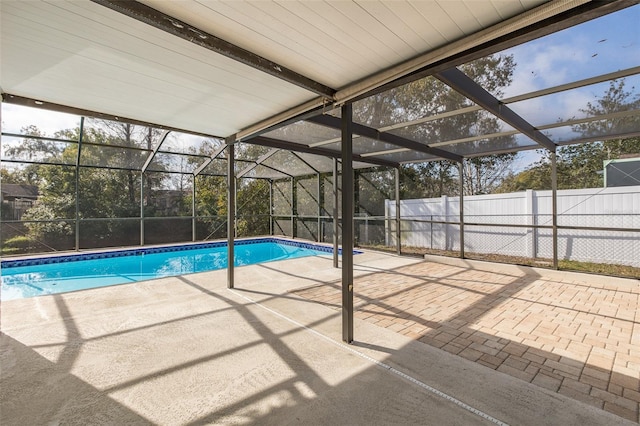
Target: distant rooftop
(18, 190)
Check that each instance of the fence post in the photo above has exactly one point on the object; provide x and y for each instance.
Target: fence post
(554, 207)
(431, 229)
(387, 223)
(461, 207)
(530, 211)
(398, 214)
(445, 214)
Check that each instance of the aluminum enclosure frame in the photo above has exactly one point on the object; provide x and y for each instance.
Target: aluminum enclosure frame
(312, 111)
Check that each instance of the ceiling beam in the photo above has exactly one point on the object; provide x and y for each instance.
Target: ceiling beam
(208, 161)
(624, 135)
(390, 138)
(259, 161)
(275, 170)
(464, 85)
(50, 106)
(297, 155)
(296, 147)
(470, 49)
(301, 112)
(153, 153)
(518, 98)
(178, 28)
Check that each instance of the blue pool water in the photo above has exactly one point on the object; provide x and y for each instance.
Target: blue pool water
(36, 277)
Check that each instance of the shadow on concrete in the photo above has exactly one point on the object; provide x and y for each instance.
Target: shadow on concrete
(407, 302)
(275, 385)
(37, 391)
(279, 371)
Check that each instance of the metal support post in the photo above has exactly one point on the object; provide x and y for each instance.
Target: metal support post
(235, 205)
(270, 207)
(347, 223)
(193, 209)
(78, 184)
(146, 165)
(335, 212)
(554, 207)
(320, 197)
(141, 208)
(231, 209)
(293, 207)
(356, 206)
(461, 206)
(398, 215)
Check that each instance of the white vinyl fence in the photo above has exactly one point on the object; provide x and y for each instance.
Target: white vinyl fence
(607, 208)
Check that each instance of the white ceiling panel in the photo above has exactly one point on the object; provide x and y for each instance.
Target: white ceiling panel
(86, 56)
(507, 8)
(300, 36)
(339, 42)
(406, 21)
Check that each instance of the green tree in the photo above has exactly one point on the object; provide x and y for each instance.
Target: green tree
(47, 227)
(107, 185)
(428, 180)
(538, 177)
(375, 185)
(253, 207)
(428, 97)
(12, 176)
(483, 175)
(580, 165)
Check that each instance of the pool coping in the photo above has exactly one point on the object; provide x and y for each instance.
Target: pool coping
(111, 253)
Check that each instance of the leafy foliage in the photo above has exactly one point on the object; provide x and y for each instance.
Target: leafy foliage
(104, 193)
(580, 165)
(253, 208)
(429, 97)
(49, 228)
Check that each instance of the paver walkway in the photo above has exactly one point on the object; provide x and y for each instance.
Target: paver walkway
(577, 338)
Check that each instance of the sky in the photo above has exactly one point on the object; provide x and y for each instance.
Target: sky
(605, 45)
(597, 47)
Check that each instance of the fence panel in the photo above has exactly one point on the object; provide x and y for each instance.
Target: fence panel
(505, 224)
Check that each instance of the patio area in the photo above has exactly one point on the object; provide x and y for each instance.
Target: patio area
(187, 350)
(151, 122)
(571, 333)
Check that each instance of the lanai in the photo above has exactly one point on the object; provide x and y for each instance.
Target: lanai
(259, 72)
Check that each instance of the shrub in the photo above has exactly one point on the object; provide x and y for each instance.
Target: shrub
(18, 244)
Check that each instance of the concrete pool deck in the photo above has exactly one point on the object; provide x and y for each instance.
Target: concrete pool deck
(186, 350)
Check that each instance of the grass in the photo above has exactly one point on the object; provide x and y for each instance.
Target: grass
(613, 270)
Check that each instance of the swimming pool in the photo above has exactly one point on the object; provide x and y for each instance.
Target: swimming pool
(61, 274)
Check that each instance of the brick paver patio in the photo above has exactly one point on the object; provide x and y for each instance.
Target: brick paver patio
(572, 337)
